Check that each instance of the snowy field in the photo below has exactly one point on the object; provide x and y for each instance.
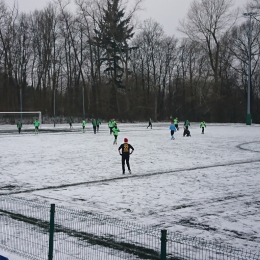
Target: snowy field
(206, 186)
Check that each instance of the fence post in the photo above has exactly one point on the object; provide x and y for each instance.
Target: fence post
(51, 235)
(163, 244)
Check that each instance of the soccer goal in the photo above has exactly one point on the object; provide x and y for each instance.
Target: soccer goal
(25, 117)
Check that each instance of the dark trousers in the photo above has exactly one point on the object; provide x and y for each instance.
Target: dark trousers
(150, 125)
(125, 158)
(203, 130)
(186, 132)
(19, 130)
(95, 129)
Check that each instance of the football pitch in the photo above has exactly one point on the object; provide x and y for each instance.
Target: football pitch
(206, 186)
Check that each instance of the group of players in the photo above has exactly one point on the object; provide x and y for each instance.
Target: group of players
(36, 124)
(186, 132)
(124, 149)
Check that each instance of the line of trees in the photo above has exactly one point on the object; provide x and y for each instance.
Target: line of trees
(98, 63)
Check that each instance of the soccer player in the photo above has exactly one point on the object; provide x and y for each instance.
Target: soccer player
(176, 122)
(150, 123)
(36, 126)
(202, 126)
(19, 126)
(110, 125)
(173, 129)
(115, 131)
(125, 147)
(186, 124)
(113, 122)
(70, 122)
(98, 124)
(83, 125)
(186, 132)
(94, 124)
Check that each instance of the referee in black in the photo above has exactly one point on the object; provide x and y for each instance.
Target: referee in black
(125, 147)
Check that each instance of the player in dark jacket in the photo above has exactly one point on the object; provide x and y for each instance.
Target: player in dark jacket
(125, 147)
(150, 123)
(186, 132)
(70, 122)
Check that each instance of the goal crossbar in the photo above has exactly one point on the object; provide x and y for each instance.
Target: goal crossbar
(31, 112)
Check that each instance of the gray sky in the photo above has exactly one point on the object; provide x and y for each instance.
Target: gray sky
(167, 12)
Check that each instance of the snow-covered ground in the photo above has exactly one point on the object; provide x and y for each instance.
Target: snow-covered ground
(10, 256)
(206, 186)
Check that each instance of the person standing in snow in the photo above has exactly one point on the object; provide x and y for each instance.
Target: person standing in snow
(19, 126)
(36, 126)
(202, 126)
(125, 148)
(98, 124)
(173, 129)
(94, 124)
(83, 125)
(70, 122)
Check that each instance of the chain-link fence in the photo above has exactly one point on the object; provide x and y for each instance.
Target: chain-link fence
(41, 231)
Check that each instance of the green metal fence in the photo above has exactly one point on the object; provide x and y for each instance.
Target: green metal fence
(41, 231)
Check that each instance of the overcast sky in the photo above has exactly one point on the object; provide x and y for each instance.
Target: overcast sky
(167, 12)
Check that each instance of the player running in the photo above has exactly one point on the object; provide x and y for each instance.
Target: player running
(186, 131)
(115, 131)
(110, 125)
(150, 123)
(173, 129)
(176, 122)
(202, 126)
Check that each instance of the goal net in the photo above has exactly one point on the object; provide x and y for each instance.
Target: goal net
(12, 118)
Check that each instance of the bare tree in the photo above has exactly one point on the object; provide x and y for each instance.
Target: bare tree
(76, 44)
(206, 23)
(7, 41)
(149, 44)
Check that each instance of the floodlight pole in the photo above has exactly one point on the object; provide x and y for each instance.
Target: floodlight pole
(21, 104)
(54, 89)
(248, 116)
(54, 112)
(83, 101)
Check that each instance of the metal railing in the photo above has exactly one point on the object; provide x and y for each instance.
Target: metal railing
(40, 231)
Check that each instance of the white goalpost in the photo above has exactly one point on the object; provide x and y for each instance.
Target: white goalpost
(37, 114)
